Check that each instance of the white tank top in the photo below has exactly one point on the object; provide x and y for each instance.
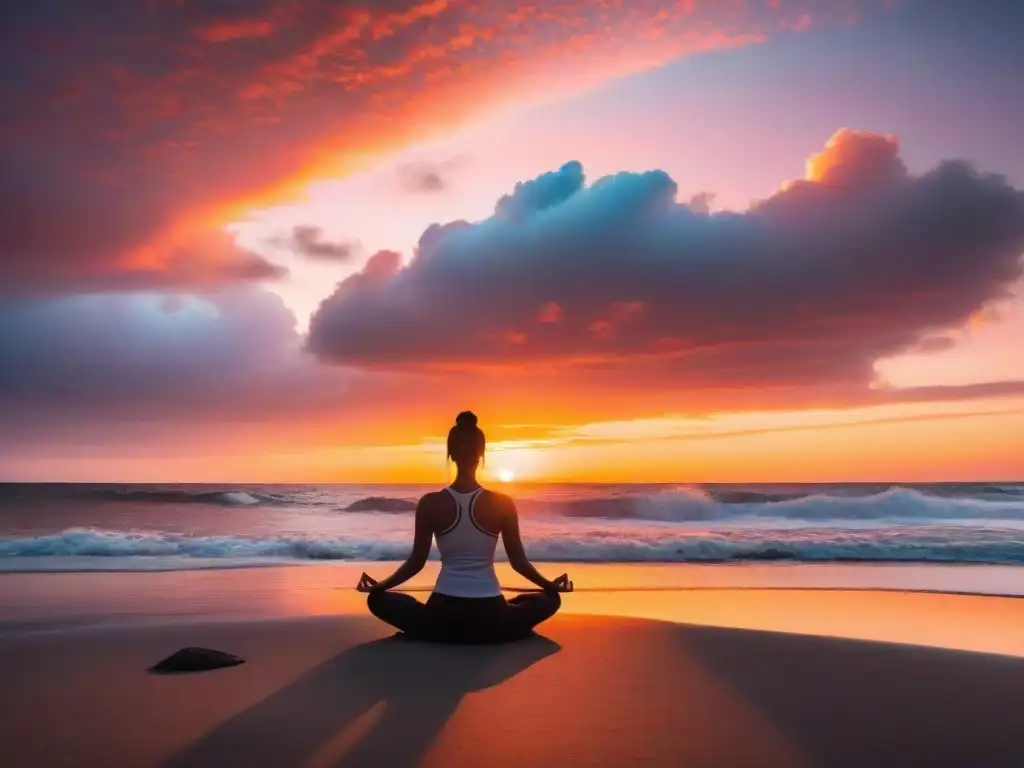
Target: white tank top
(467, 553)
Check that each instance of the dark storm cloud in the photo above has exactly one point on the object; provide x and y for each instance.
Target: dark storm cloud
(130, 128)
(618, 281)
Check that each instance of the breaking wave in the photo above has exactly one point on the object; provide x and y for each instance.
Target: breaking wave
(235, 498)
(939, 502)
(381, 504)
(920, 544)
(697, 505)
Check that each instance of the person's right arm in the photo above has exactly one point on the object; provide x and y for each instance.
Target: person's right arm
(422, 537)
(517, 554)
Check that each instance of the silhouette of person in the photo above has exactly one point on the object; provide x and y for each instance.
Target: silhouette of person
(466, 605)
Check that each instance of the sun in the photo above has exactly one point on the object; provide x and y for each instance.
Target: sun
(506, 475)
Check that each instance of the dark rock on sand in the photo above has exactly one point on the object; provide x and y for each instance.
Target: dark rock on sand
(195, 660)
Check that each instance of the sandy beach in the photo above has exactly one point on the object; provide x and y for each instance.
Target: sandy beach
(338, 690)
(701, 312)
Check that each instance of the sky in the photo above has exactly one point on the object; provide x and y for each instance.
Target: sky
(654, 241)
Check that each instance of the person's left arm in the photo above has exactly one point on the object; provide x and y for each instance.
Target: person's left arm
(420, 551)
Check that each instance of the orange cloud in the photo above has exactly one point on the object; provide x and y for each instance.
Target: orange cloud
(239, 29)
(851, 155)
(190, 115)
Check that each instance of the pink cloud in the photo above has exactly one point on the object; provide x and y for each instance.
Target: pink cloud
(152, 128)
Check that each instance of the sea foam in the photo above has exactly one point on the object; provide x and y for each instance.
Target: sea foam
(935, 544)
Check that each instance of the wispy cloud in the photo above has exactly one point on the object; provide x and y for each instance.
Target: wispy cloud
(310, 241)
(724, 426)
(152, 127)
(424, 177)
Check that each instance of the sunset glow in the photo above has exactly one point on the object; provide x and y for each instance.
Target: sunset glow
(645, 242)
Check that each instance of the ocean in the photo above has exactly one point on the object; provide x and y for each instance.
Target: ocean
(69, 527)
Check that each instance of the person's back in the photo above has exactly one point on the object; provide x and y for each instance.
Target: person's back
(467, 551)
(467, 604)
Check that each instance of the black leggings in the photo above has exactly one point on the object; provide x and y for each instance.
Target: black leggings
(464, 619)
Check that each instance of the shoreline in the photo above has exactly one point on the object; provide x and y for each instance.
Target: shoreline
(770, 598)
(984, 580)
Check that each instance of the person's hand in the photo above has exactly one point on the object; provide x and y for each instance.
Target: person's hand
(562, 584)
(366, 583)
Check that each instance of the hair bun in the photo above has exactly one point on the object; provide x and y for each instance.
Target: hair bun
(466, 420)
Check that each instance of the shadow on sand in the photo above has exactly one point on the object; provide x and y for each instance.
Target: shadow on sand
(419, 684)
(858, 702)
